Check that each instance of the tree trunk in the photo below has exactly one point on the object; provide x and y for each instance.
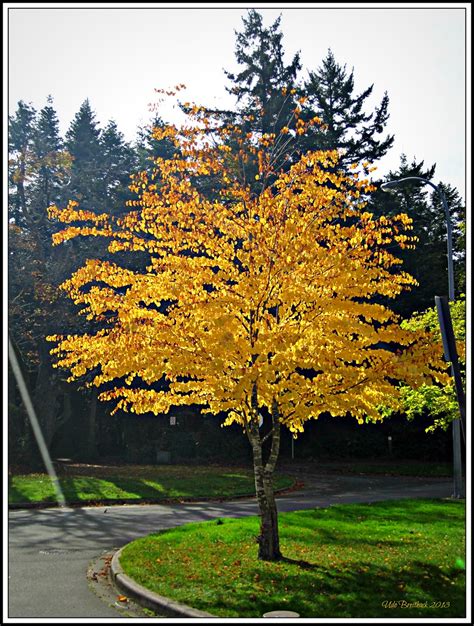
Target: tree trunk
(46, 395)
(268, 539)
(91, 443)
(16, 399)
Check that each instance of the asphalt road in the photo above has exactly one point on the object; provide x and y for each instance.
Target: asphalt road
(51, 550)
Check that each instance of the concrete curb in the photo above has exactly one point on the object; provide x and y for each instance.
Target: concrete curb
(148, 598)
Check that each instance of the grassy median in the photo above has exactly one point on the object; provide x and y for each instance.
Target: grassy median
(389, 559)
(150, 483)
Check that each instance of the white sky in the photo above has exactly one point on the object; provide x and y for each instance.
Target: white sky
(116, 55)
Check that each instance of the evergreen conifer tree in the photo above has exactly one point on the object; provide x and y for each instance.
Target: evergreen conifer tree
(147, 148)
(428, 261)
(118, 159)
(265, 81)
(87, 185)
(267, 90)
(20, 147)
(37, 166)
(52, 164)
(330, 93)
(47, 145)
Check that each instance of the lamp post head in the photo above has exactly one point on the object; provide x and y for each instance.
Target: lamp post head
(389, 186)
(392, 184)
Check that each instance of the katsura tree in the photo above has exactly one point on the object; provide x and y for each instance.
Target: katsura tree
(257, 299)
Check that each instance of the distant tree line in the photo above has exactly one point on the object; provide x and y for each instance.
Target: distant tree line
(92, 165)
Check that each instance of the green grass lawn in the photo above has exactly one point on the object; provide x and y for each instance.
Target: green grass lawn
(341, 562)
(151, 483)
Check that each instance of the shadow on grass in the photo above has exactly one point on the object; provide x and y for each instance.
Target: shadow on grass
(299, 562)
(78, 489)
(411, 512)
(15, 495)
(84, 488)
(370, 591)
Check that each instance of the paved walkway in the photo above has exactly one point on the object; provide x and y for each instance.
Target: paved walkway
(50, 550)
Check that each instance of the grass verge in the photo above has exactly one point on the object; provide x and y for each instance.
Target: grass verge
(387, 468)
(389, 559)
(150, 483)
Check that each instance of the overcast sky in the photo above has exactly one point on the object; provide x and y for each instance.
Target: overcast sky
(117, 55)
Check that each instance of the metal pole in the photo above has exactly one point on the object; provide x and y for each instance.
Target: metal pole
(455, 373)
(451, 355)
(457, 460)
(43, 448)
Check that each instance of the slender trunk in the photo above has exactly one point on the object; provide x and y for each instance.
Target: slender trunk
(91, 447)
(27, 433)
(268, 539)
(67, 406)
(45, 395)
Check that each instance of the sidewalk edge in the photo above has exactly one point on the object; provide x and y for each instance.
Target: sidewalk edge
(147, 598)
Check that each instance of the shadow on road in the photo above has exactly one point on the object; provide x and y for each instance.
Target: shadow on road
(109, 526)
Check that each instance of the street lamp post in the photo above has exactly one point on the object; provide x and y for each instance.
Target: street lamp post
(457, 463)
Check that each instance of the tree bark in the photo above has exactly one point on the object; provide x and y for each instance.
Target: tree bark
(46, 395)
(268, 539)
(91, 443)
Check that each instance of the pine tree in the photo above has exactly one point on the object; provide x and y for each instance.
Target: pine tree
(148, 148)
(20, 147)
(47, 146)
(259, 85)
(267, 94)
(37, 165)
(51, 167)
(268, 90)
(87, 184)
(330, 93)
(428, 261)
(118, 159)
(457, 214)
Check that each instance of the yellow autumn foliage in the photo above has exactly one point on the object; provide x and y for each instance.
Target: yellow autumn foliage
(268, 288)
